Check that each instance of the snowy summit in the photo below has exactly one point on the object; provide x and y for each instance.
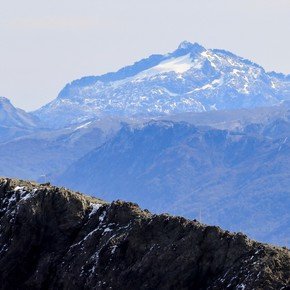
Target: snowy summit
(189, 79)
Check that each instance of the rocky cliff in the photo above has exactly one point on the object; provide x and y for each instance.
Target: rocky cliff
(53, 238)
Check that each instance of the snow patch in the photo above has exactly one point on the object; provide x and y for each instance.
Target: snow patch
(178, 65)
(102, 216)
(83, 126)
(114, 249)
(95, 207)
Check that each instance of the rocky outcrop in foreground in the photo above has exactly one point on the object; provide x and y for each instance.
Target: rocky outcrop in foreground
(53, 238)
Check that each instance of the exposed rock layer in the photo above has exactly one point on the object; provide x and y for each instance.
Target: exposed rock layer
(52, 238)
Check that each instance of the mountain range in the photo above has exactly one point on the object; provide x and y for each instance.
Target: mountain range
(196, 132)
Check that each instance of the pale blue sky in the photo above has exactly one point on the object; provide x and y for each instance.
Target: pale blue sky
(45, 44)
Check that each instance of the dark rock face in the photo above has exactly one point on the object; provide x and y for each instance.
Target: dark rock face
(52, 238)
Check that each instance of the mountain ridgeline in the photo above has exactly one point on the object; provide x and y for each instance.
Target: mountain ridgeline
(53, 238)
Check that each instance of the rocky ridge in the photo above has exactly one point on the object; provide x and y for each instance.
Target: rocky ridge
(53, 238)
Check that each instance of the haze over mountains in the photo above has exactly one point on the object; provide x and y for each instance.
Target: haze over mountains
(193, 132)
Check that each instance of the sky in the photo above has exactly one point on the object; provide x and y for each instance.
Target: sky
(46, 44)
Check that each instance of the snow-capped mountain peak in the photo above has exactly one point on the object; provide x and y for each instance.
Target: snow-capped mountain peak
(191, 78)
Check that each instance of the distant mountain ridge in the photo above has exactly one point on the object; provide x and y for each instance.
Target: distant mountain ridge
(190, 79)
(14, 117)
(15, 122)
(54, 150)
